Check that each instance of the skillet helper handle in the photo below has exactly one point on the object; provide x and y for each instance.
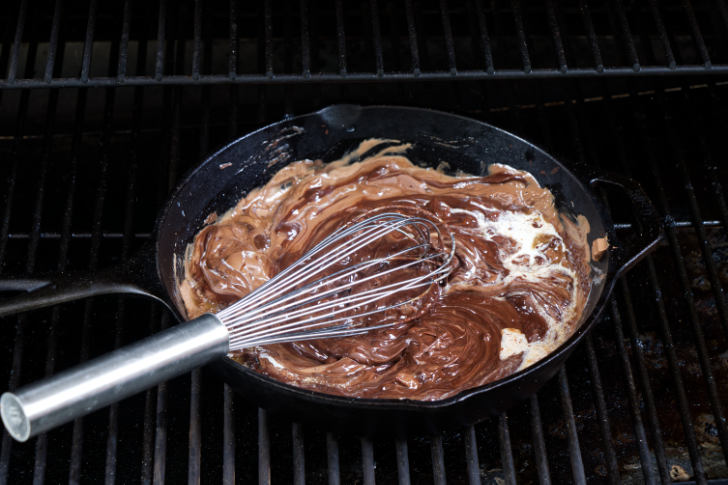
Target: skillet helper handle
(648, 231)
(38, 407)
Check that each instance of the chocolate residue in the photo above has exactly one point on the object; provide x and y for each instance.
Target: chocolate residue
(522, 280)
(599, 247)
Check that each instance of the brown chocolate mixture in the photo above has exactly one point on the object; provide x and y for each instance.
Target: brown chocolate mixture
(521, 283)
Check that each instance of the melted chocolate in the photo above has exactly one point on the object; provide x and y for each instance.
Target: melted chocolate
(519, 289)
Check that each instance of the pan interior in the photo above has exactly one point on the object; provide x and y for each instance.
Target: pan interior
(436, 138)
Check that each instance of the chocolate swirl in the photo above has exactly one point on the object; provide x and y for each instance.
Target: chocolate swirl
(521, 284)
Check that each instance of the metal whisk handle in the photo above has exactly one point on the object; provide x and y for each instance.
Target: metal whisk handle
(51, 402)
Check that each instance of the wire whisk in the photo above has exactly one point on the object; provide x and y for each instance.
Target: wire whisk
(305, 300)
(368, 275)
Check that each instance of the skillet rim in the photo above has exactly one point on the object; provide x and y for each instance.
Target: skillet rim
(401, 404)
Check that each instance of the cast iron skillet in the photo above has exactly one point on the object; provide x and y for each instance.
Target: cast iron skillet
(465, 144)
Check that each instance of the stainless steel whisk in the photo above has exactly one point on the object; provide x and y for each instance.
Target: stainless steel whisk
(324, 294)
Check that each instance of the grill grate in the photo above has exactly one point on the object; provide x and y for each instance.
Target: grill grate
(84, 166)
(643, 395)
(283, 42)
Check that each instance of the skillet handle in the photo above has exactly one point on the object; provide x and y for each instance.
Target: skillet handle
(648, 229)
(134, 276)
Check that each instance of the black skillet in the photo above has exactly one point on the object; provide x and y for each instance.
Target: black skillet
(465, 144)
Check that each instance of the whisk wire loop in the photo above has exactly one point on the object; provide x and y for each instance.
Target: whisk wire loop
(302, 302)
(313, 288)
(306, 267)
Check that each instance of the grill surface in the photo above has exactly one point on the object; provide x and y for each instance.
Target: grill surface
(280, 42)
(85, 166)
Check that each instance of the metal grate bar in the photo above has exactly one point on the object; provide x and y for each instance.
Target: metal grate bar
(305, 40)
(174, 142)
(627, 35)
(88, 42)
(556, 35)
(403, 468)
(228, 439)
(175, 50)
(577, 464)
(194, 453)
(602, 413)
(268, 36)
(634, 402)
(471, 456)
(53, 41)
(360, 77)
(233, 28)
(197, 40)
(340, 37)
(438, 461)
(395, 38)
(723, 12)
(520, 30)
(299, 455)
(41, 444)
(160, 432)
(113, 426)
(332, 459)
(148, 423)
(7, 442)
(412, 35)
(161, 36)
(377, 38)
(263, 448)
(697, 34)
(77, 433)
(447, 32)
(484, 37)
(662, 32)
(124, 41)
(682, 399)
(539, 443)
(506, 450)
(367, 461)
(648, 395)
(15, 49)
(593, 41)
